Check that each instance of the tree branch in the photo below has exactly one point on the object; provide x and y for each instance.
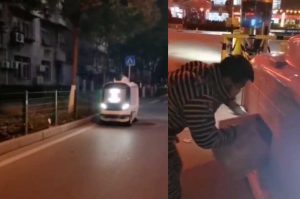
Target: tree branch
(90, 4)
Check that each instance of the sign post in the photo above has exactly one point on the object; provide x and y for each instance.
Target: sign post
(129, 71)
(130, 61)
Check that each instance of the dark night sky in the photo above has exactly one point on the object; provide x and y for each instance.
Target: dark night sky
(290, 4)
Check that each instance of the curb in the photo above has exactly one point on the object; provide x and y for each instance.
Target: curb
(17, 143)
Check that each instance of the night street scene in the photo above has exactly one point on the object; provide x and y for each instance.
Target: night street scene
(83, 99)
(253, 152)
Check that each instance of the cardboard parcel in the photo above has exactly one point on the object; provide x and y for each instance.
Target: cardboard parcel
(251, 148)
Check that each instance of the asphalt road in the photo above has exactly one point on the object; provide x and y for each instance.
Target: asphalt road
(188, 45)
(94, 162)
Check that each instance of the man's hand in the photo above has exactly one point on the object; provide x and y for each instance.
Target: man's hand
(236, 108)
(239, 110)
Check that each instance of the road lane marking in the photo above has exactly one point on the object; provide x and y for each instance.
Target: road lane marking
(161, 99)
(155, 101)
(39, 148)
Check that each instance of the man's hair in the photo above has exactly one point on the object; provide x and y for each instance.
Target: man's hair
(237, 68)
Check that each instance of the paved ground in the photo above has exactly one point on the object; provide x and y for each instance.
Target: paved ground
(94, 162)
(203, 177)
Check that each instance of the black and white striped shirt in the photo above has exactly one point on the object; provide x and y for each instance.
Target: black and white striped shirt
(195, 93)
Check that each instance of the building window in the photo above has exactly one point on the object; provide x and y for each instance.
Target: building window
(47, 53)
(219, 2)
(27, 29)
(23, 26)
(1, 39)
(237, 2)
(61, 40)
(46, 70)
(15, 22)
(276, 4)
(46, 38)
(23, 67)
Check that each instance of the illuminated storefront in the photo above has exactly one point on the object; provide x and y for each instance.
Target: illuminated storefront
(215, 16)
(276, 4)
(217, 12)
(176, 12)
(286, 19)
(222, 2)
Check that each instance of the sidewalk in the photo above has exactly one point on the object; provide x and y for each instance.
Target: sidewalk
(202, 176)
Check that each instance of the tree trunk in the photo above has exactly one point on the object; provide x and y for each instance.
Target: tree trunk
(72, 97)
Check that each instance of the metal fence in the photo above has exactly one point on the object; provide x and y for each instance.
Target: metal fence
(27, 112)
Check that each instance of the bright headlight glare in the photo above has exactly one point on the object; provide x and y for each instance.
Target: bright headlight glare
(103, 106)
(125, 106)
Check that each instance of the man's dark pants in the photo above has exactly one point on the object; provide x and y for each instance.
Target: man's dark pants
(174, 171)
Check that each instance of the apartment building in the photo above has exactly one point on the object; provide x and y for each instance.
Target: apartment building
(32, 47)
